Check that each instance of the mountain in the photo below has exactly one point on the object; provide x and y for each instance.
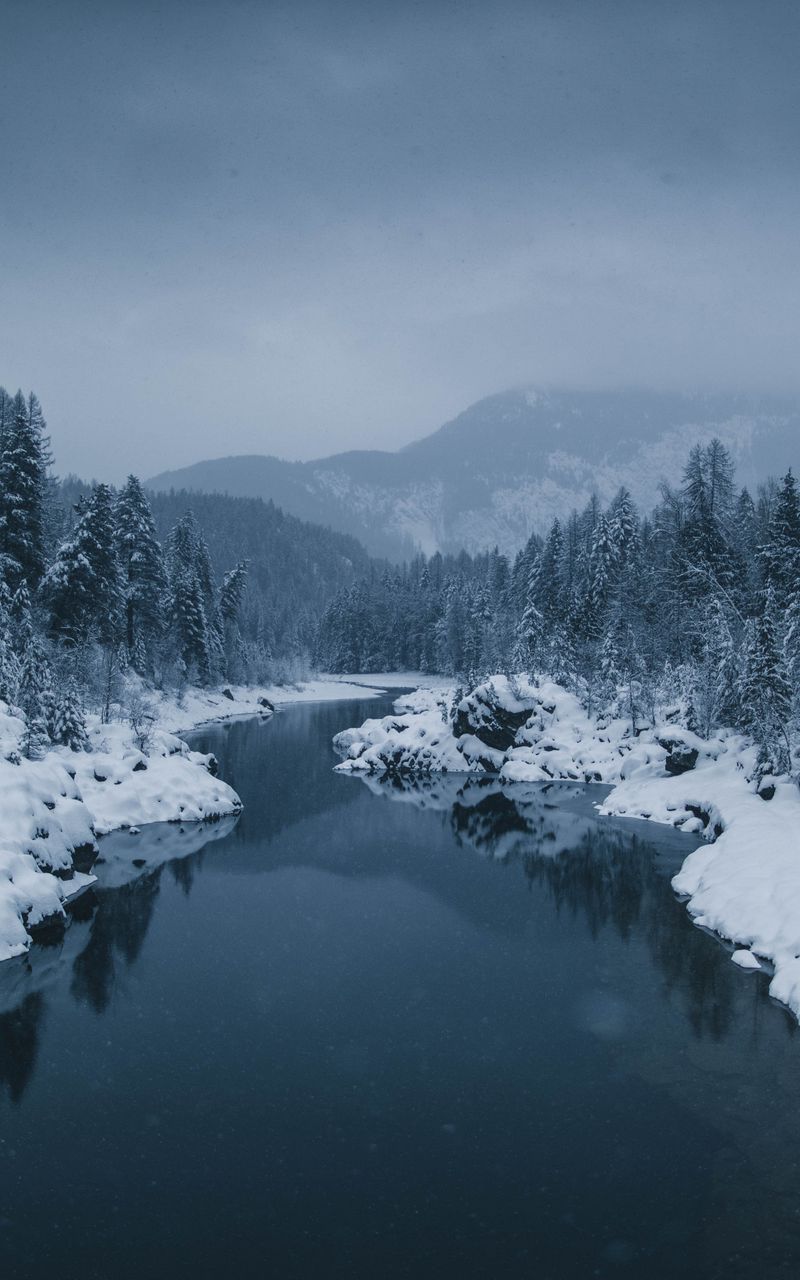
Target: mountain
(508, 465)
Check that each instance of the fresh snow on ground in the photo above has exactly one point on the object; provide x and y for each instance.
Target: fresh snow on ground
(743, 882)
(194, 707)
(53, 809)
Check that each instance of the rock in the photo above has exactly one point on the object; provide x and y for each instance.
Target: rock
(493, 713)
(266, 704)
(767, 792)
(140, 767)
(226, 693)
(680, 758)
(83, 857)
(476, 751)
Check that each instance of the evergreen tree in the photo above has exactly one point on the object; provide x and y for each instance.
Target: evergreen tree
(602, 577)
(781, 553)
(143, 579)
(34, 698)
(24, 461)
(765, 692)
(81, 590)
(69, 721)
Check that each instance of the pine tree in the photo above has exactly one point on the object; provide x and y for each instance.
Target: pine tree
(143, 579)
(69, 721)
(765, 692)
(623, 528)
(81, 589)
(24, 461)
(34, 698)
(602, 576)
(190, 627)
(780, 555)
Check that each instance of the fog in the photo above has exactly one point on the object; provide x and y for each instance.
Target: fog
(297, 229)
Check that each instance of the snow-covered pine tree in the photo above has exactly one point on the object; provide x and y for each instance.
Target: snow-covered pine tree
(623, 523)
(9, 662)
(24, 461)
(195, 616)
(143, 578)
(34, 697)
(546, 585)
(81, 590)
(765, 691)
(69, 720)
(715, 680)
(189, 627)
(530, 635)
(602, 577)
(780, 556)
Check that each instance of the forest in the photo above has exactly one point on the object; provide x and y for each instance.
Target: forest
(694, 605)
(98, 585)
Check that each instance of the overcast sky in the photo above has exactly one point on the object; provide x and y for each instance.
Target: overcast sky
(249, 227)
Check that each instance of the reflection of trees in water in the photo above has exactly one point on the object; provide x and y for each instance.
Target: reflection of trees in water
(612, 881)
(118, 932)
(115, 921)
(594, 870)
(19, 1043)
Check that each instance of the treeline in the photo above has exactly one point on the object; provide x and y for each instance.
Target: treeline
(97, 585)
(694, 605)
(294, 568)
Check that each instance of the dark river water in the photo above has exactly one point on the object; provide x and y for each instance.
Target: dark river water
(449, 1030)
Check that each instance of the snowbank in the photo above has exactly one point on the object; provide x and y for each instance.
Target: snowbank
(196, 706)
(418, 739)
(53, 809)
(744, 883)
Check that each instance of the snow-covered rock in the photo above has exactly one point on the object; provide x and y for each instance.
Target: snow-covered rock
(495, 712)
(418, 740)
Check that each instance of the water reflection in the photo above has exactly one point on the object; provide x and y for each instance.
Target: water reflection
(444, 1021)
(105, 933)
(612, 875)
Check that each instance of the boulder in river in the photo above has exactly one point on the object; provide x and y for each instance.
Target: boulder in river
(494, 713)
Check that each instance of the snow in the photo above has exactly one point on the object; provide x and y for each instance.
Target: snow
(195, 707)
(54, 809)
(418, 739)
(743, 882)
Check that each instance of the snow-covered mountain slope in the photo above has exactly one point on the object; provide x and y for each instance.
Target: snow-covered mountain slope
(508, 465)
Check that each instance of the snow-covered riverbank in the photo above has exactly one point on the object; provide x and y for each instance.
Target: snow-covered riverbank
(52, 810)
(196, 706)
(743, 882)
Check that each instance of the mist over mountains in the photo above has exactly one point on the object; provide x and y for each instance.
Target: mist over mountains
(507, 465)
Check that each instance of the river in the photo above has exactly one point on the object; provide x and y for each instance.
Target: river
(441, 1029)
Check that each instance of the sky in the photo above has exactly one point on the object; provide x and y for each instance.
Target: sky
(299, 228)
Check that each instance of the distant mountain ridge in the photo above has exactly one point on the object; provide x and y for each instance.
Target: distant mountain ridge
(508, 464)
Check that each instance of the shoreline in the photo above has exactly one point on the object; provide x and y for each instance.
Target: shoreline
(742, 882)
(56, 808)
